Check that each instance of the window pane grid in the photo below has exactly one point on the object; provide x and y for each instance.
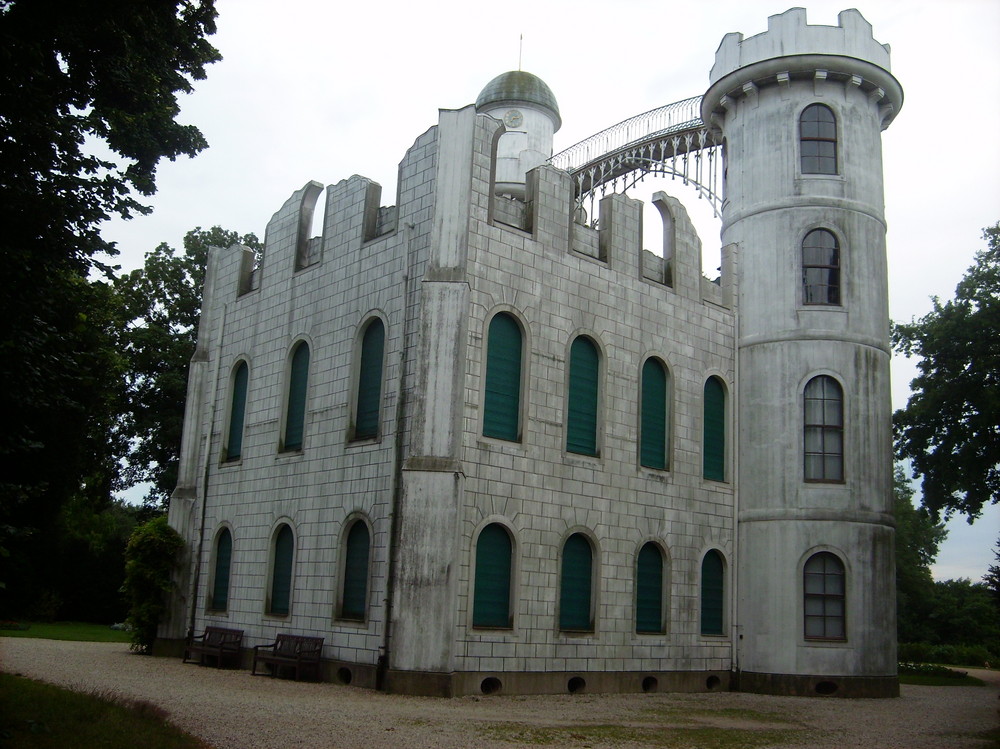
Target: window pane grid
(824, 605)
(820, 268)
(823, 431)
(818, 140)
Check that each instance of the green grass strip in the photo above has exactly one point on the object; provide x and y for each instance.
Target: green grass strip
(78, 631)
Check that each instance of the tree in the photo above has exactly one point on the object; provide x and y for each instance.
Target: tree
(992, 577)
(950, 427)
(150, 559)
(161, 307)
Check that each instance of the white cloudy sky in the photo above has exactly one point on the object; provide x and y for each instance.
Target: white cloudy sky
(311, 91)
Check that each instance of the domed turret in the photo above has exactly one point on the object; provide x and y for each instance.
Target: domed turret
(519, 88)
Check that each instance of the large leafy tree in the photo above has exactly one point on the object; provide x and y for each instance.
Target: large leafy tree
(161, 306)
(950, 427)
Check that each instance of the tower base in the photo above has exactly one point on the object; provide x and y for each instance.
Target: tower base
(796, 685)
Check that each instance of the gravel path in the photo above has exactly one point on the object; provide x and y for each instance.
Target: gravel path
(231, 709)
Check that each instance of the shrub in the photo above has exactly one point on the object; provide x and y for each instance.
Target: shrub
(956, 655)
(150, 557)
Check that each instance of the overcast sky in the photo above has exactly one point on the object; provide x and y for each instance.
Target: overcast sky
(310, 91)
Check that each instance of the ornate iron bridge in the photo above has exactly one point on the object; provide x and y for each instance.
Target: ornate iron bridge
(670, 140)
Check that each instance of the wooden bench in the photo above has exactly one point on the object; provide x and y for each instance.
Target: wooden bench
(218, 642)
(297, 652)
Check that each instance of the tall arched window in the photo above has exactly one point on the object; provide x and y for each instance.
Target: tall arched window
(502, 400)
(714, 431)
(494, 554)
(649, 590)
(654, 416)
(818, 140)
(354, 594)
(237, 411)
(369, 396)
(576, 585)
(295, 410)
(713, 588)
(823, 429)
(220, 577)
(823, 597)
(281, 571)
(820, 268)
(583, 397)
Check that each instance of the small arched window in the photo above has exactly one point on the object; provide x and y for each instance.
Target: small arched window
(576, 585)
(820, 268)
(823, 429)
(713, 589)
(354, 594)
(654, 417)
(281, 571)
(369, 396)
(823, 597)
(583, 397)
(714, 428)
(220, 577)
(649, 590)
(237, 412)
(502, 398)
(494, 554)
(818, 140)
(295, 410)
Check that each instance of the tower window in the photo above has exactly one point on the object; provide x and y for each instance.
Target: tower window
(818, 140)
(583, 397)
(824, 430)
(824, 601)
(491, 604)
(820, 268)
(295, 411)
(576, 585)
(369, 395)
(502, 399)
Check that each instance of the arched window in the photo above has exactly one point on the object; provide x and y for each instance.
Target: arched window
(583, 397)
(576, 585)
(713, 588)
(818, 140)
(820, 268)
(281, 571)
(649, 590)
(369, 397)
(237, 411)
(714, 436)
(295, 410)
(823, 430)
(823, 597)
(354, 595)
(220, 578)
(654, 416)
(502, 400)
(491, 604)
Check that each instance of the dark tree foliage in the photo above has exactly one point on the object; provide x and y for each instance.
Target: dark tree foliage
(161, 305)
(992, 577)
(950, 427)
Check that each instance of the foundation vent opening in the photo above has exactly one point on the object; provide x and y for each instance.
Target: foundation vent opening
(650, 684)
(826, 688)
(491, 685)
(344, 675)
(713, 682)
(576, 684)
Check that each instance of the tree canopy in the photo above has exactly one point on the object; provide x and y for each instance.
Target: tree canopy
(950, 427)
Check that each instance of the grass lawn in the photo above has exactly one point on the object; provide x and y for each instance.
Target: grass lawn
(68, 631)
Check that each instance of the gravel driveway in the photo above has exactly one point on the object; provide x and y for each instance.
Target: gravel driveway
(233, 709)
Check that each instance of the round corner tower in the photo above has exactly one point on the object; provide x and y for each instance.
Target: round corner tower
(800, 109)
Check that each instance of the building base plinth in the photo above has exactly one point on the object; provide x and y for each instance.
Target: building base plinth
(796, 685)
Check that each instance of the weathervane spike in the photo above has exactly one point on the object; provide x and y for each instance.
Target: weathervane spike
(520, 50)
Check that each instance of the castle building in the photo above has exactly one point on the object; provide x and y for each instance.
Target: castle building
(481, 441)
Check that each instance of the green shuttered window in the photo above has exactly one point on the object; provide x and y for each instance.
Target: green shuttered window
(491, 605)
(355, 596)
(583, 397)
(653, 423)
(237, 411)
(714, 442)
(712, 593)
(575, 586)
(502, 407)
(649, 590)
(281, 574)
(223, 562)
(295, 414)
(370, 381)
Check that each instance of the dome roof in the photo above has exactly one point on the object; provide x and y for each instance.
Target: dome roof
(518, 87)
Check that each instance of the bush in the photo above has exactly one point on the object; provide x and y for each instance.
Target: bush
(150, 557)
(977, 656)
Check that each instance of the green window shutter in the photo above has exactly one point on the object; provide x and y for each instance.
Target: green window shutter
(234, 445)
(281, 575)
(491, 607)
(295, 415)
(354, 604)
(502, 407)
(223, 561)
(582, 399)
(653, 424)
(712, 593)
(370, 381)
(649, 590)
(714, 443)
(575, 585)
